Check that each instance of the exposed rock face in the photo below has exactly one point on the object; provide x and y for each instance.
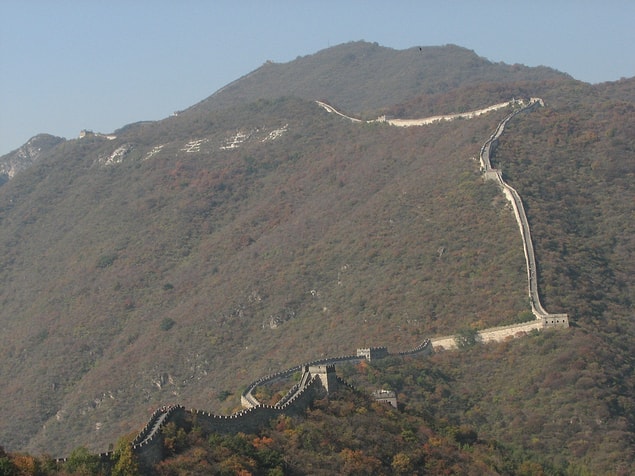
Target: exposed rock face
(27, 155)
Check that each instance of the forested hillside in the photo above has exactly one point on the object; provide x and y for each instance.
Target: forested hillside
(26, 156)
(253, 232)
(245, 261)
(363, 78)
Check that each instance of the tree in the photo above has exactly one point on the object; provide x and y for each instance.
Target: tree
(466, 337)
(82, 462)
(25, 464)
(124, 459)
(174, 438)
(7, 468)
(402, 464)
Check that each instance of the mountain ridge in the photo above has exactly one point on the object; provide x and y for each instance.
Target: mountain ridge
(159, 266)
(412, 71)
(26, 155)
(370, 56)
(120, 257)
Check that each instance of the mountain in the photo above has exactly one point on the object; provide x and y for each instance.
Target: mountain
(362, 77)
(183, 258)
(27, 155)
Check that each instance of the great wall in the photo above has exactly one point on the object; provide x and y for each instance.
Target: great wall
(318, 378)
(542, 317)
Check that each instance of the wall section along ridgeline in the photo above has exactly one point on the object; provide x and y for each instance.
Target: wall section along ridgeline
(543, 318)
(318, 377)
(512, 195)
(318, 380)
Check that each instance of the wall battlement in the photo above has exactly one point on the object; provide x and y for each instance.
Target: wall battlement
(371, 353)
(555, 320)
(559, 320)
(319, 378)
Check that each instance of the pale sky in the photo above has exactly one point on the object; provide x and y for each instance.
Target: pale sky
(67, 65)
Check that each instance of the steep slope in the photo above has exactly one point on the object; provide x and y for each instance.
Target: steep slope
(362, 77)
(569, 401)
(181, 269)
(191, 255)
(25, 156)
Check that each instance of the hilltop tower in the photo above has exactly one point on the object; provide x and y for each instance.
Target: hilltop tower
(373, 353)
(326, 374)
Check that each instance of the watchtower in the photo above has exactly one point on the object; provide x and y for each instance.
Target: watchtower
(326, 374)
(373, 353)
(555, 320)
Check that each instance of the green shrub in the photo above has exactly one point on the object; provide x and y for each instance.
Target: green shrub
(106, 260)
(466, 337)
(81, 461)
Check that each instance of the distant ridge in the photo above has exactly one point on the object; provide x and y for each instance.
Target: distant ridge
(26, 155)
(361, 77)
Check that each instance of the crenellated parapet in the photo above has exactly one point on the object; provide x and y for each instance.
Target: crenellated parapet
(247, 399)
(148, 446)
(311, 368)
(425, 348)
(372, 353)
(318, 377)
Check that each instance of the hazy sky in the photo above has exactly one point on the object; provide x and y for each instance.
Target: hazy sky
(67, 65)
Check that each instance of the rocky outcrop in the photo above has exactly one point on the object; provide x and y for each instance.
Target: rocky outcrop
(27, 155)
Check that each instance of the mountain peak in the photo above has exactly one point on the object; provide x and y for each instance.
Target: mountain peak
(189, 256)
(362, 77)
(26, 155)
